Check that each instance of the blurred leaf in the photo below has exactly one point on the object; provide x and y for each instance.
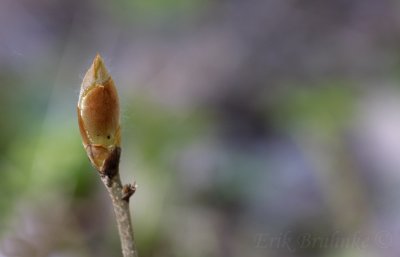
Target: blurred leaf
(157, 133)
(325, 107)
(156, 9)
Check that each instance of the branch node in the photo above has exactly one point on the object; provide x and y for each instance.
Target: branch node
(128, 190)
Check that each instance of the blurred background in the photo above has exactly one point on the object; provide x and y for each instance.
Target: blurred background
(253, 128)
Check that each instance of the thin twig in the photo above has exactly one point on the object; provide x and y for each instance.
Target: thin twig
(122, 214)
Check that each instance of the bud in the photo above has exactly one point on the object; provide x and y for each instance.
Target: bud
(98, 117)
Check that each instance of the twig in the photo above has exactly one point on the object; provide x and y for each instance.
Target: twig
(120, 198)
(122, 214)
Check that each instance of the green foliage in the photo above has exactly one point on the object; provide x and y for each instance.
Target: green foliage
(155, 9)
(157, 133)
(325, 107)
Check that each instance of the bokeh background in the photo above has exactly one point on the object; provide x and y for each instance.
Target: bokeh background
(253, 128)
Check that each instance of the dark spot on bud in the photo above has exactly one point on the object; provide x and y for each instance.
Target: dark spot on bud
(108, 137)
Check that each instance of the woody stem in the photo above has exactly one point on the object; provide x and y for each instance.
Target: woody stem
(122, 214)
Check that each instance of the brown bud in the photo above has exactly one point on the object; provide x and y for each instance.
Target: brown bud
(98, 114)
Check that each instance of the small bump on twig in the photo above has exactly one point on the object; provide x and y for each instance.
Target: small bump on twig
(128, 190)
